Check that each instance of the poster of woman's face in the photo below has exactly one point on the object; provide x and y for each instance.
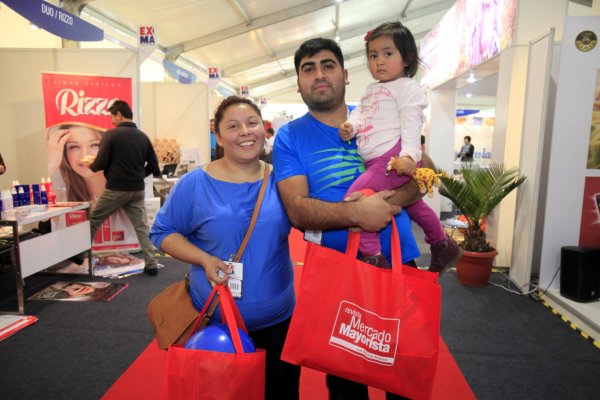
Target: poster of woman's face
(67, 145)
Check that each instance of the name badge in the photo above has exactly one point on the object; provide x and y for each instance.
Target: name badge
(313, 236)
(236, 278)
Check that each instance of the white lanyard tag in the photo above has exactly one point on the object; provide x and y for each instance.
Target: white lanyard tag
(313, 236)
(236, 278)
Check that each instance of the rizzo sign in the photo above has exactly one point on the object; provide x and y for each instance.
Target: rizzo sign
(56, 20)
(82, 98)
(365, 334)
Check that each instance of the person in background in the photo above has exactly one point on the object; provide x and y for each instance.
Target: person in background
(204, 221)
(213, 140)
(268, 150)
(127, 157)
(2, 166)
(314, 170)
(387, 126)
(218, 149)
(466, 152)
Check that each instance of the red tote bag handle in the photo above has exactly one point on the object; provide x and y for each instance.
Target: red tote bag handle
(230, 314)
(354, 240)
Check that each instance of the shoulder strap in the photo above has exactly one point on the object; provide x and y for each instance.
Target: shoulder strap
(259, 199)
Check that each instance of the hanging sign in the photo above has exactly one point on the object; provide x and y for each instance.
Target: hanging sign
(214, 77)
(147, 42)
(178, 73)
(244, 91)
(262, 102)
(147, 36)
(56, 20)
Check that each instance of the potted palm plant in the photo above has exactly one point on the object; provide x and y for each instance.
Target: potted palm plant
(476, 194)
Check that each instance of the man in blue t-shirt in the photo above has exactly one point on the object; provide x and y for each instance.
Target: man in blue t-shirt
(314, 169)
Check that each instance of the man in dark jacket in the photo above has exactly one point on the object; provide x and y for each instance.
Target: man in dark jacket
(126, 156)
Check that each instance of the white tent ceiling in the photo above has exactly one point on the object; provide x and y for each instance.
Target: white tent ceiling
(253, 41)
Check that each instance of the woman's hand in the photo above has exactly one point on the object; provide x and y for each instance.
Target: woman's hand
(212, 267)
(55, 146)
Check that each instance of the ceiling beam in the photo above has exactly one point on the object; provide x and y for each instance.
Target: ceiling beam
(257, 23)
(284, 74)
(231, 70)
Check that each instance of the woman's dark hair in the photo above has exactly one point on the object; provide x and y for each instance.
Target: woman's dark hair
(231, 101)
(313, 46)
(404, 41)
(122, 107)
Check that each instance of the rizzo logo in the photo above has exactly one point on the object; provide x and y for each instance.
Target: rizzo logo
(82, 99)
(365, 334)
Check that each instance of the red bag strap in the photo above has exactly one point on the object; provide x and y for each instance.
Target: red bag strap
(354, 240)
(231, 319)
(230, 314)
(207, 312)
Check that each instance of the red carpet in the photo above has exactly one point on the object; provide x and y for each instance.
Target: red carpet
(144, 378)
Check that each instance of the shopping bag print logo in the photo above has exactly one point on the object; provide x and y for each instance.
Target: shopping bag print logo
(365, 334)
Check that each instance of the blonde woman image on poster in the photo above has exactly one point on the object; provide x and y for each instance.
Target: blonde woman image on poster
(67, 145)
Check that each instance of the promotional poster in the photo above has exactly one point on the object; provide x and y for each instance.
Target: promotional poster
(589, 235)
(76, 110)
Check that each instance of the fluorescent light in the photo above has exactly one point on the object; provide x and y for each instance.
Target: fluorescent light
(468, 95)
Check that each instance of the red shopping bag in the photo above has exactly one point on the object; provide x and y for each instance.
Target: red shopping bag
(211, 375)
(375, 326)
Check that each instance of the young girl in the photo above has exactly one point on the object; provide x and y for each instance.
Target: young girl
(387, 123)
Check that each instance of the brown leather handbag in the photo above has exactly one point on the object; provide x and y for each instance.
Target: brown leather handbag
(172, 313)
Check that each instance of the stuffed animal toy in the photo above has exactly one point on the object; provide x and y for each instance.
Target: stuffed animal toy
(426, 178)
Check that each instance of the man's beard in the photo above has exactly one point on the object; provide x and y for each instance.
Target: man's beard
(323, 104)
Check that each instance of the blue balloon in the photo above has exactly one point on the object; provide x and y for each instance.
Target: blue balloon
(216, 337)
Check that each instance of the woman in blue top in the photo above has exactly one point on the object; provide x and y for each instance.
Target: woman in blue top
(204, 220)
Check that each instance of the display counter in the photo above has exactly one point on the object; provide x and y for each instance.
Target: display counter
(39, 252)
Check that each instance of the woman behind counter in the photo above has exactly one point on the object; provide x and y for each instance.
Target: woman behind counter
(204, 221)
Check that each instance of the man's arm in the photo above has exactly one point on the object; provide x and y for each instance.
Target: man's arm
(409, 193)
(369, 213)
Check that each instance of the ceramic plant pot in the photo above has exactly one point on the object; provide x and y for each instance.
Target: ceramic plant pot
(474, 269)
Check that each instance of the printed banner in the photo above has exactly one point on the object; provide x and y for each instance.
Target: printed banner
(76, 108)
(589, 234)
(56, 20)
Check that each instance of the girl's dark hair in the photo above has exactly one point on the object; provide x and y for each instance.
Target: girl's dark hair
(231, 101)
(404, 41)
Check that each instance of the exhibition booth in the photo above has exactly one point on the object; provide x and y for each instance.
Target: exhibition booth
(545, 88)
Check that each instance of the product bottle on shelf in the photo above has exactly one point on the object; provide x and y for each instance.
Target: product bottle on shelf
(50, 191)
(15, 196)
(23, 198)
(43, 195)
